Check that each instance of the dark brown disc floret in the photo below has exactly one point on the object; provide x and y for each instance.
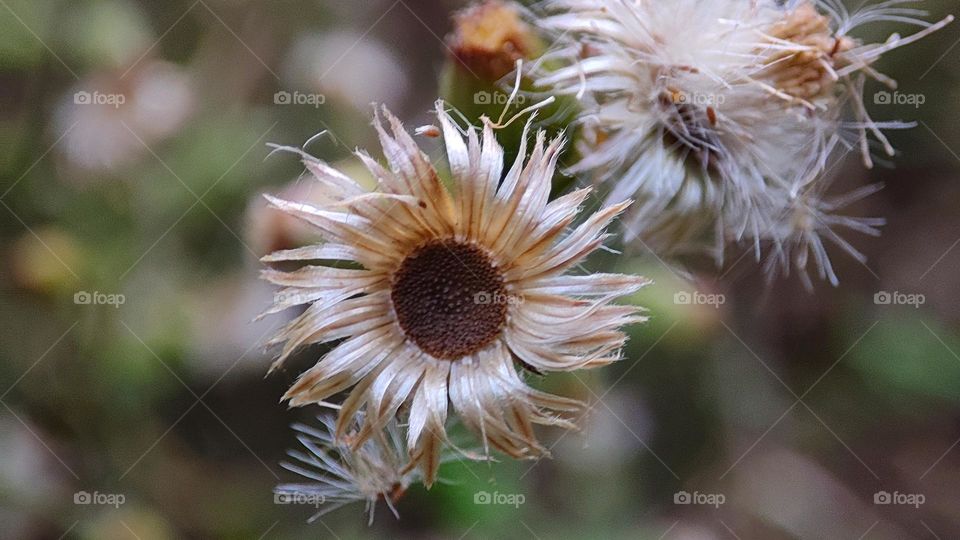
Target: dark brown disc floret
(449, 298)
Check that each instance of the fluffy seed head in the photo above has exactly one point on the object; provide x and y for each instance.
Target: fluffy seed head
(719, 117)
(337, 475)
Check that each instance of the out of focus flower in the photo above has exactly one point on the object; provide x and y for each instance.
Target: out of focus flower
(348, 67)
(110, 119)
(446, 293)
(377, 470)
(489, 38)
(718, 117)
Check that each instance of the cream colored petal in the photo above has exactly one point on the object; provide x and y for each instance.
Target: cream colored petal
(318, 276)
(466, 186)
(484, 186)
(330, 251)
(320, 323)
(319, 287)
(556, 218)
(586, 285)
(340, 227)
(465, 396)
(478, 182)
(425, 220)
(429, 218)
(428, 413)
(507, 197)
(324, 294)
(494, 402)
(582, 241)
(402, 220)
(508, 190)
(457, 157)
(533, 190)
(358, 396)
(342, 367)
(390, 389)
(544, 358)
(557, 330)
(339, 185)
(396, 217)
(406, 159)
(545, 406)
(562, 334)
(572, 327)
(415, 172)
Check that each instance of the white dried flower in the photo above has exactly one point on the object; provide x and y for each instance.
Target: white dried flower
(451, 294)
(719, 116)
(378, 470)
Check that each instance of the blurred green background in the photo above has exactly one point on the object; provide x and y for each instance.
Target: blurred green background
(132, 155)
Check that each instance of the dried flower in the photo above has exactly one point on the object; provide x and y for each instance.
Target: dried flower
(490, 37)
(719, 117)
(378, 470)
(451, 292)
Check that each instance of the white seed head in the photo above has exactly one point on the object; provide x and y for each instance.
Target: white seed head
(719, 117)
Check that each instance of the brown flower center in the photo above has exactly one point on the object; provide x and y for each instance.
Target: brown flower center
(449, 298)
